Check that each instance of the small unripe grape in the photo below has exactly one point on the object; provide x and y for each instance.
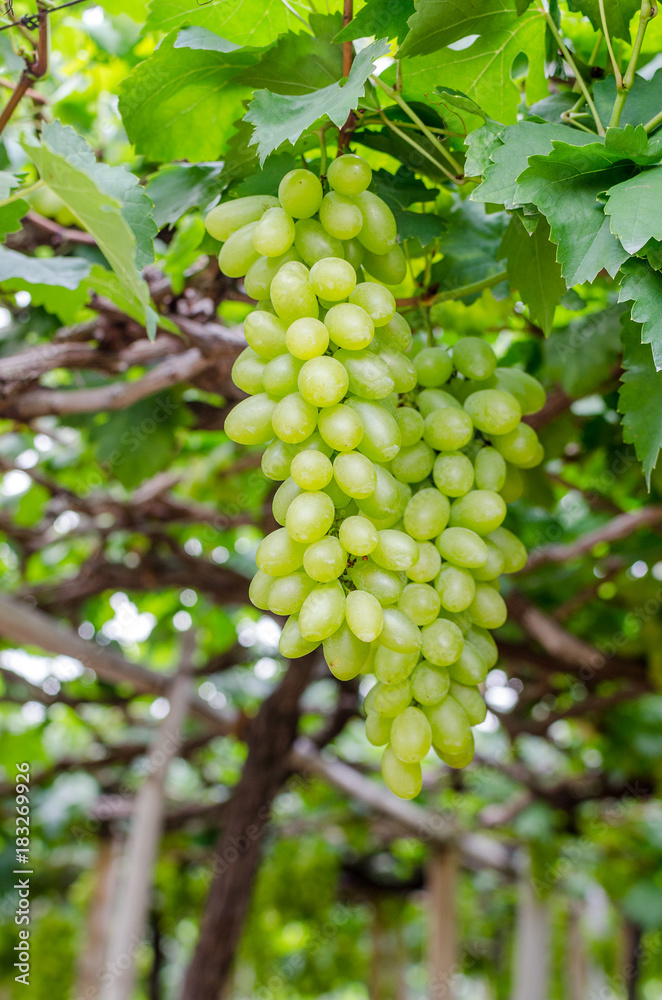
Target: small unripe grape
(519, 446)
(456, 587)
(377, 301)
(430, 400)
(349, 174)
(433, 366)
(294, 418)
(238, 252)
(428, 565)
(354, 253)
(514, 551)
(473, 358)
(488, 608)
(429, 684)
(413, 464)
(349, 326)
(280, 376)
(274, 233)
(300, 193)
(341, 427)
(313, 243)
(345, 654)
(292, 643)
(404, 780)
(395, 550)
(426, 514)
(526, 389)
(392, 667)
(325, 560)
(453, 473)
(358, 535)
(399, 632)
(411, 736)
(278, 554)
(364, 615)
(250, 420)
(471, 701)
(377, 729)
(292, 295)
(383, 584)
(396, 333)
(462, 547)
(229, 216)
(247, 371)
(283, 497)
(471, 666)
(494, 566)
(322, 612)
(442, 642)
(260, 274)
(448, 429)
(332, 279)
(307, 338)
(411, 424)
(258, 591)
(490, 469)
(265, 334)
(379, 231)
(340, 216)
(381, 438)
(389, 267)
(323, 381)
(420, 602)
(493, 411)
(309, 517)
(288, 593)
(311, 470)
(484, 644)
(481, 511)
(451, 732)
(391, 699)
(277, 459)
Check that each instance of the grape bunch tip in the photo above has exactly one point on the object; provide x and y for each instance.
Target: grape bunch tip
(395, 472)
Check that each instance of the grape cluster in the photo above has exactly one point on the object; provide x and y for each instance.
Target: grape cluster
(393, 489)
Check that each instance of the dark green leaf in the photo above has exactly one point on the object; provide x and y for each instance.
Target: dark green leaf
(279, 118)
(460, 102)
(481, 143)
(533, 269)
(630, 142)
(401, 190)
(640, 399)
(583, 355)
(643, 102)
(618, 14)
(244, 22)
(11, 215)
(299, 64)
(469, 244)
(643, 286)
(438, 23)
(387, 142)
(181, 186)
(564, 186)
(551, 108)
(137, 442)
(67, 272)
(635, 209)
(379, 19)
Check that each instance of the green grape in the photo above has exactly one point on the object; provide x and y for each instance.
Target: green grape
(494, 566)
(369, 699)
(288, 593)
(311, 470)
(451, 732)
(313, 243)
(392, 667)
(383, 584)
(411, 425)
(426, 514)
(323, 381)
(395, 550)
(274, 233)
(460, 618)
(526, 389)
(385, 499)
(488, 608)
(344, 505)
(349, 174)
(481, 511)
(323, 612)
(519, 446)
(294, 419)
(471, 701)
(412, 465)
(340, 216)
(462, 547)
(401, 368)
(377, 301)
(442, 642)
(310, 516)
(391, 699)
(448, 429)
(345, 654)
(281, 375)
(490, 470)
(277, 459)
(229, 216)
(430, 400)
(249, 422)
(292, 295)
(473, 358)
(238, 252)
(378, 232)
(396, 333)
(377, 729)
(471, 667)
(493, 411)
(300, 193)
(358, 536)
(404, 780)
(380, 440)
(278, 554)
(292, 644)
(461, 759)
(513, 487)
(307, 338)
(456, 587)
(369, 376)
(399, 632)
(429, 684)
(364, 615)
(247, 371)
(484, 644)
(513, 550)
(355, 474)
(332, 278)
(411, 735)
(283, 497)
(265, 334)
(428, 565)
(340, 427)
(354, 253)
(433, 367)
(453, 473)
(258, 591)
(420, 602)
(535, 459)
(349, 326)
(389, 268)
(260, 274)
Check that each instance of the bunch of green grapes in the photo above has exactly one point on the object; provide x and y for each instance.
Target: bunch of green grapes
(393, 490)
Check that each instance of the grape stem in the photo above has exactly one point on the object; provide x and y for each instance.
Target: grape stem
(419, 149)
(324, 160)
(21, 193)
(610, 47)
(571, 62)
(624, 85)
(453, 293)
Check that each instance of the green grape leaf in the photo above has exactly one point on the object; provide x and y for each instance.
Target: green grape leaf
(299, 64)
(618, 14)
(7, 183)
(181, 102)
(630, 142)
(533, 269)
(379, 19)
(244, 22)
(138, 441)
(280, 118)
(179, 187)
(469, 246)
(67, 272)
(511, 157)
(635, 209)
(401, 190)
(482, 70)
(640, 399)
(459, 102)
(565, 186)
(643, 102)
(438, 23)
(202, 38)
(481, 143)
(102, 202)
(11, 215)
(583, 355)
(643, 286)
(108, 284)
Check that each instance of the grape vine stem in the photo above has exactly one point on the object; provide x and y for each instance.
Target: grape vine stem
(453, 293)
(571, 62)
(648, 12)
